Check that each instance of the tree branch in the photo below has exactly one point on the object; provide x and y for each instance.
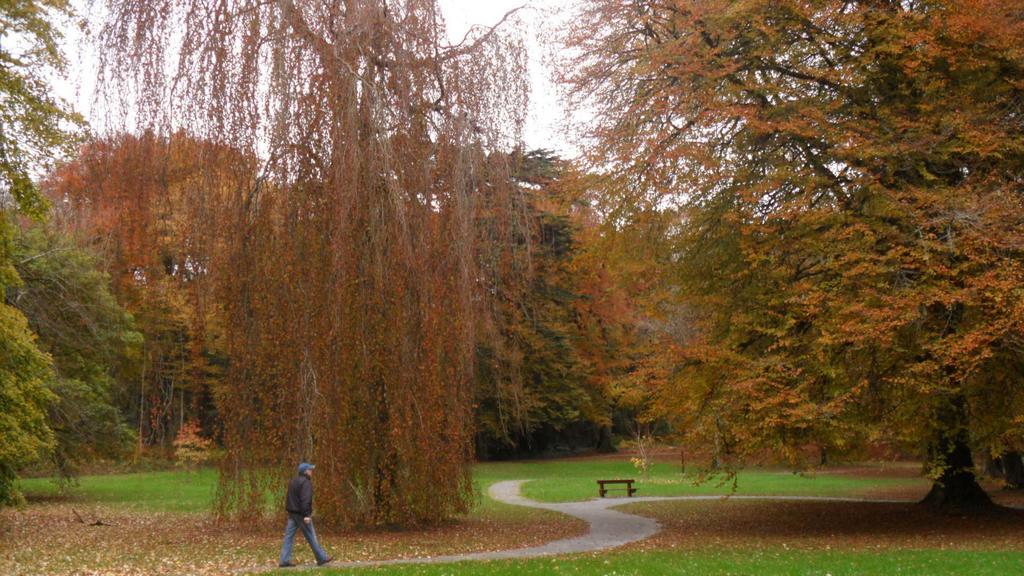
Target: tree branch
(459, 49)
(42, 254)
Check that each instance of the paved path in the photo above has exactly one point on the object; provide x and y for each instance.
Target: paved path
(608, 528)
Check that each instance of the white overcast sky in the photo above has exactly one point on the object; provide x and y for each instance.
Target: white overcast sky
(546, 118)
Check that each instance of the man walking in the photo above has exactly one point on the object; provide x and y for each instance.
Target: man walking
(299, 504)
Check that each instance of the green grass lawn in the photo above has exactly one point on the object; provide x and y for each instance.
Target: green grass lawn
(570, 480)
(170, 491)
(574, 479)
(550, 481)
(775, 562)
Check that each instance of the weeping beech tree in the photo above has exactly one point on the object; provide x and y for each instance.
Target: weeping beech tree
(349, 275)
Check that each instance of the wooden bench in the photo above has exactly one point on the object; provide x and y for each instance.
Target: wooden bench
(602, 489)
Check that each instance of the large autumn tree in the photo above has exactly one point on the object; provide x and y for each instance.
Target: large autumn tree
(348, 274)
(147, 206)
(35, 127)
(847, 176)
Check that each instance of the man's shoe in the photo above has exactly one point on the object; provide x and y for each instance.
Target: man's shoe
(287, 565)
(325, 562)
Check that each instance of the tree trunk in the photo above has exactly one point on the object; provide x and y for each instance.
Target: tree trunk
(604, 440)
(993, 467)
(957, 487)
(1013, 468)
(715, 456)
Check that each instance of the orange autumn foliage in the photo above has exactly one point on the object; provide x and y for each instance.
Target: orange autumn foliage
(346, 266)
(133, 200)
(839, 185)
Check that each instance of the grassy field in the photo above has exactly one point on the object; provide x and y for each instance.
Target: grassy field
(731, 563)
(159, 524)
(573, 480)
(172, 491)
(551, 481)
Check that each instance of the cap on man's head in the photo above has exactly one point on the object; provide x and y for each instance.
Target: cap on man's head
(305, 466)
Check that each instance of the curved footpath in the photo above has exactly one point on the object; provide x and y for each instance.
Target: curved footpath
(608, 528)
